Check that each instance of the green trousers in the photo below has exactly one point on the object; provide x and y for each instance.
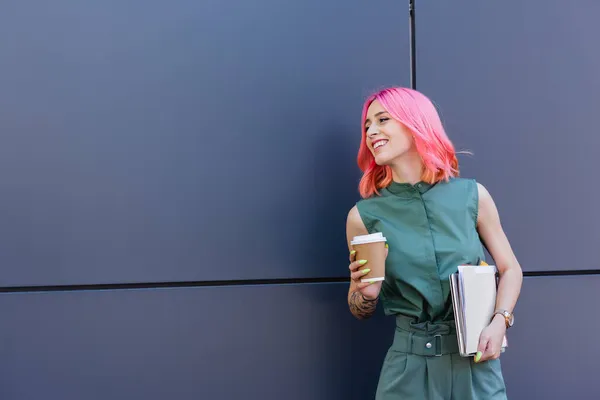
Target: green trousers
(423, 364)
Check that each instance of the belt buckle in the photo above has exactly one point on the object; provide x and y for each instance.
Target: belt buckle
(438, 345)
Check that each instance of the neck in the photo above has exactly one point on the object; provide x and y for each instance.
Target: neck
(408, 169)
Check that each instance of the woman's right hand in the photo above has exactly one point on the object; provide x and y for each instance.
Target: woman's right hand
(358, 269)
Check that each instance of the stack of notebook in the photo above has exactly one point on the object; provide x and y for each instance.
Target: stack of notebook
(473, 289)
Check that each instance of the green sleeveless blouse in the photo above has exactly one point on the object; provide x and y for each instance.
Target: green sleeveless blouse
(431, 229)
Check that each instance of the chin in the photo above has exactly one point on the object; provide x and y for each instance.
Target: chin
(381, 161)
(389, 157)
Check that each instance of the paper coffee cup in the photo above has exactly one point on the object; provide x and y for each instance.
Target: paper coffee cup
(371, 248)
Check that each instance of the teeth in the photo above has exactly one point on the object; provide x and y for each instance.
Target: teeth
(380, 143)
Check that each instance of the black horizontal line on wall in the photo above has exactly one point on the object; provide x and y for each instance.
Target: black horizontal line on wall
(241, 282)
(158, 285)
(563, 272)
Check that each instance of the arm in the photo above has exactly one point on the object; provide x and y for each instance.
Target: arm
(362, 297)
(511, 276)
(360, 306)
(495, 240)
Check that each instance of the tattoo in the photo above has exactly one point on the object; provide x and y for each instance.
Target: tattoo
(360, 307)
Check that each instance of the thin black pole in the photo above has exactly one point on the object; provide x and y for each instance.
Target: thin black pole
(413, 49)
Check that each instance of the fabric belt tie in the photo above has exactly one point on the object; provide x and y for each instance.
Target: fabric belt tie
(424, 339)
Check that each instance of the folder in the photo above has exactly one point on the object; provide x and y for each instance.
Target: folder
(473, 289)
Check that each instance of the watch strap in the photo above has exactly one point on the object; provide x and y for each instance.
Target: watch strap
(506, 314)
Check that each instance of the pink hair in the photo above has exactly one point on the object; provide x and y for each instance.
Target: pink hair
(415, 111)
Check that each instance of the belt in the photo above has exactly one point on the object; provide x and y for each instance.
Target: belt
(424, 339)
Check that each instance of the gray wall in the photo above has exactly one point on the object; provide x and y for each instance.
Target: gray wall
(519, 87)
(166, 168)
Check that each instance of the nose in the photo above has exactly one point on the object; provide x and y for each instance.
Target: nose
(372, 131)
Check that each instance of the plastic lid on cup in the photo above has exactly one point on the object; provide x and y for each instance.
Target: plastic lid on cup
(372, 238)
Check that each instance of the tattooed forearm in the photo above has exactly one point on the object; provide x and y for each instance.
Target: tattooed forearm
(360, 307)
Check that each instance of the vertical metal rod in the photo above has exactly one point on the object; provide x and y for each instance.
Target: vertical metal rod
(413, 49)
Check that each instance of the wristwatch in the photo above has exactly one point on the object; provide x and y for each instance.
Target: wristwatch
(509, 318)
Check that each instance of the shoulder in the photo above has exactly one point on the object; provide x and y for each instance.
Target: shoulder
(353, 219)
(483, 193)
(466, 192)
(469, 186)
(354, 225)
(486, 205)
(458, 184)
(460, 190)
(368, 211)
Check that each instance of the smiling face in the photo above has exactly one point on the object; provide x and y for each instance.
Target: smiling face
(387, 139)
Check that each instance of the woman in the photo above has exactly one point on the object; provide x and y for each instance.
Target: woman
(433, 221)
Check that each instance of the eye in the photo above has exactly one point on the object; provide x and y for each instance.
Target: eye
(383, 119)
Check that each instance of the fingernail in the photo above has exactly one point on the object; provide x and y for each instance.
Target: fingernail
(478, 356)
(366, 271)
(353, 252)
(362, 262)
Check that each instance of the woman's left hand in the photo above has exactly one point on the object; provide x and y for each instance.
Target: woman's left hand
(490, 340)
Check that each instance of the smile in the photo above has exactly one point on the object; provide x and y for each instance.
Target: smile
(379, 143)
